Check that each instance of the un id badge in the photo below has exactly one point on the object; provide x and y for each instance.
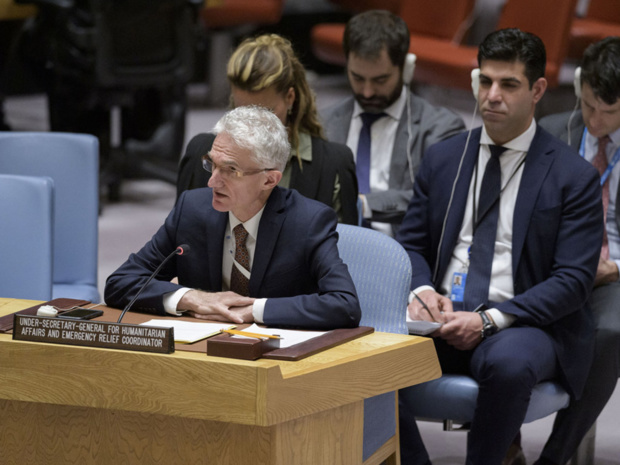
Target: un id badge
(458, 286)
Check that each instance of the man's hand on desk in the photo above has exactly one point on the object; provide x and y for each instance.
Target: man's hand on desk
(218, 306)
(462, 330)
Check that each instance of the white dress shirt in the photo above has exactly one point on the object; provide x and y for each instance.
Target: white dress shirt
(382, 137)
(172, 299)
(501, 285)
(591, 149)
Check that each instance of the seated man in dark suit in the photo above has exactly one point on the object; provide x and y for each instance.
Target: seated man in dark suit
(595, 132)
(383, 123)
(516, 214)
(258, 252)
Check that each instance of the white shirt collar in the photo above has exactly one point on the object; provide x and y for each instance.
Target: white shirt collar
(521, 143)
(614, 136)
(251, 225)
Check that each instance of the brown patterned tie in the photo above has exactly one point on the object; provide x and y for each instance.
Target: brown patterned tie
(238, 282)
(600, 163)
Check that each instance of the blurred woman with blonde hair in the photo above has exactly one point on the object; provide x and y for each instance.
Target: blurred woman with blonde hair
(265, 71)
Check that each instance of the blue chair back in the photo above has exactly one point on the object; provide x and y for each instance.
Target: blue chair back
(72, 161)
(381, 271)
(26, 209)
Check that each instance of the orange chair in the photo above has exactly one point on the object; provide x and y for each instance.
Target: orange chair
(448, 64)
(326, 42)
(362, 5)
(327, 38)
(602, 20)
(225, 20)
(442, 20)
(233, 13)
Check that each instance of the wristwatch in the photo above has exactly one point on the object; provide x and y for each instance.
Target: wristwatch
(488, 327)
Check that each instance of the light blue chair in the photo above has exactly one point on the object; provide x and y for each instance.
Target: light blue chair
(72, 161)
(26, 209)
(452, 399)
(381, 271)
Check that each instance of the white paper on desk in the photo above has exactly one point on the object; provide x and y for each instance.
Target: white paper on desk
(421, 327)
(187, 332)
(289, 337)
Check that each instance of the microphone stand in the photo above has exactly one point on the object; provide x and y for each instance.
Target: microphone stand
(180, 250)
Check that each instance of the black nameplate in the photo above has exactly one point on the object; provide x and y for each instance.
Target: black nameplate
(93, 334)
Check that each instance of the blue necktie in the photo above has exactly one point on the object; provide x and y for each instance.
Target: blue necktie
(483, 245)
(362, 164)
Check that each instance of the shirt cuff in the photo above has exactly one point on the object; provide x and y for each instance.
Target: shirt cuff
(417, 290)
(502, 320)
(258, 309)
(171, 300)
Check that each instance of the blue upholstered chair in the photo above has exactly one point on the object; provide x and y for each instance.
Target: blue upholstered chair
(452, 399)
(72, 161)
(381, 271)
(26, 210)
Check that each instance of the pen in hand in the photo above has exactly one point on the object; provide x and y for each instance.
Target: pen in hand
(424, 306)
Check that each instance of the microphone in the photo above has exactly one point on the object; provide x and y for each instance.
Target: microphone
(180, 250)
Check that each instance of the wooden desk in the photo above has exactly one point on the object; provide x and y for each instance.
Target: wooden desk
(68, 404)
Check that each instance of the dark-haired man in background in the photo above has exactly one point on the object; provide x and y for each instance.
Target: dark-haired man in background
(387, 127)
(595, 133)
(516, 216)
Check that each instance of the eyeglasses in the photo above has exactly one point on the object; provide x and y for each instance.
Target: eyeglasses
(229, 171)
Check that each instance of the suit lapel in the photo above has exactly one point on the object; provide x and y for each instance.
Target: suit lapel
(576, 132)
(214, 235)
(403, 143)
(340, 123)
(459, 201)
(540, 156)
(268, 233)
(304, 179)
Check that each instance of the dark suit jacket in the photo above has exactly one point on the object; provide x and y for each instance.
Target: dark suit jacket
(557, 125)
(314, 180)
(426, 123)
(296, 263)
(556, 241)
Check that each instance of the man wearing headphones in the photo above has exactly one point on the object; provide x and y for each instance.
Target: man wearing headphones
(387, 127)
(595, 133)
(516, 216)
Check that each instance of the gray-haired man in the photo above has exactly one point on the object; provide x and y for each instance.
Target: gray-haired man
(259, 252)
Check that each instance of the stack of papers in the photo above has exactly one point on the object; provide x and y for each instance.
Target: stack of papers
(187, 332)
(421, 327)
(288, 337)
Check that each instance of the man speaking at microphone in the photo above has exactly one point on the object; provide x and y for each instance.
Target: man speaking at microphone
(259, 253)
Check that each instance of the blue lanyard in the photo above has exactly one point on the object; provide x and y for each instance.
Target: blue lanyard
(610, 166)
